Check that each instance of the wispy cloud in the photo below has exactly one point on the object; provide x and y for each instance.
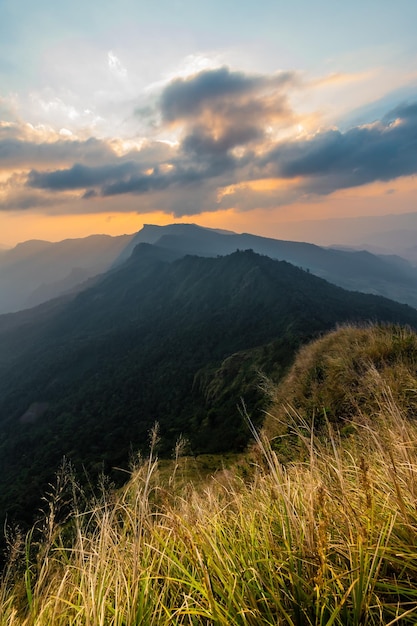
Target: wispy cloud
(115, 65)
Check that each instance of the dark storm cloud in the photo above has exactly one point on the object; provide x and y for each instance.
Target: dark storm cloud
(188, 97)
(328, 161)
(403, 111)
(182, 174)
(80, 176)
(221, 109)
(333, 160)
(202, 143)
(114, 179)
(221, 119)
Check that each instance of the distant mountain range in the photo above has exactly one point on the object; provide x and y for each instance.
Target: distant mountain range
(388, 275)
(37, 271)
(161, 336)
(380, 234)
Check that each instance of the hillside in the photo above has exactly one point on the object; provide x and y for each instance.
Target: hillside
(326, 539)
(178, 342)
(357, 270)
(349, 374)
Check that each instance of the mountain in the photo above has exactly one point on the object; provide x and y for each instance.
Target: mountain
(388, 275)
(317, 526)
(36, 271)
(385, 234)
(177, 341)
(186, 239)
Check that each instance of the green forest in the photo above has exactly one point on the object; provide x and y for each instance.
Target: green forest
(180, 343)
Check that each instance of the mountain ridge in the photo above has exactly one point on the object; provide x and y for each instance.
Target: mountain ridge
(36, 271)
(177, 341)
(354, 270)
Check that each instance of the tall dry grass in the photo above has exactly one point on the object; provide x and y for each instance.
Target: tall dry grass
(331, 540)
(327, 539)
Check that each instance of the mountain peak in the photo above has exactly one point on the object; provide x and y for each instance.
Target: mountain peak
(32, 245)
(181, 227)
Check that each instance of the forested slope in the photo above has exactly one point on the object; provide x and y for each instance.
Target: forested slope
(178, 342)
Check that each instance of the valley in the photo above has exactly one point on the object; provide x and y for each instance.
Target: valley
(161, 337)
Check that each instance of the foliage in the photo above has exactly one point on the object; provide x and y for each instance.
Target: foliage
(329, 540)
(178, 342)
(344, 376)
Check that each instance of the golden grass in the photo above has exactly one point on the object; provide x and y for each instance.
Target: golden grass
(345, 375)
(328, 539)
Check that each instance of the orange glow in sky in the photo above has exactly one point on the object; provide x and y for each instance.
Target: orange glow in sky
(133, 114)
(397, 196)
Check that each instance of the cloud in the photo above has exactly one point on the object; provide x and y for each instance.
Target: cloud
(24, 200)
(403, 111)
(203, 141)
(16, 151)
(220, 109)
(186, 98)
(334, 160)
(218, 130)
(80, 176)
(159, 179)
(115, 65)
(322, 164)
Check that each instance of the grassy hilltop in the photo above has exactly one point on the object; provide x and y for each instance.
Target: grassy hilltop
(317, 526)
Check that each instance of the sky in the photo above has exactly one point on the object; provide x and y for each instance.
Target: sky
(250, 116)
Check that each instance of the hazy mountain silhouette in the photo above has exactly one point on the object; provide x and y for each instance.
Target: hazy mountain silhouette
(35, 271)
(388, 276)
(187, 239)
(381, 234)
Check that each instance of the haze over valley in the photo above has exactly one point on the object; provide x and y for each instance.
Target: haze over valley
(36, 271)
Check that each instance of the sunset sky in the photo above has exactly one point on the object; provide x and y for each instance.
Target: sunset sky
(250, 116)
